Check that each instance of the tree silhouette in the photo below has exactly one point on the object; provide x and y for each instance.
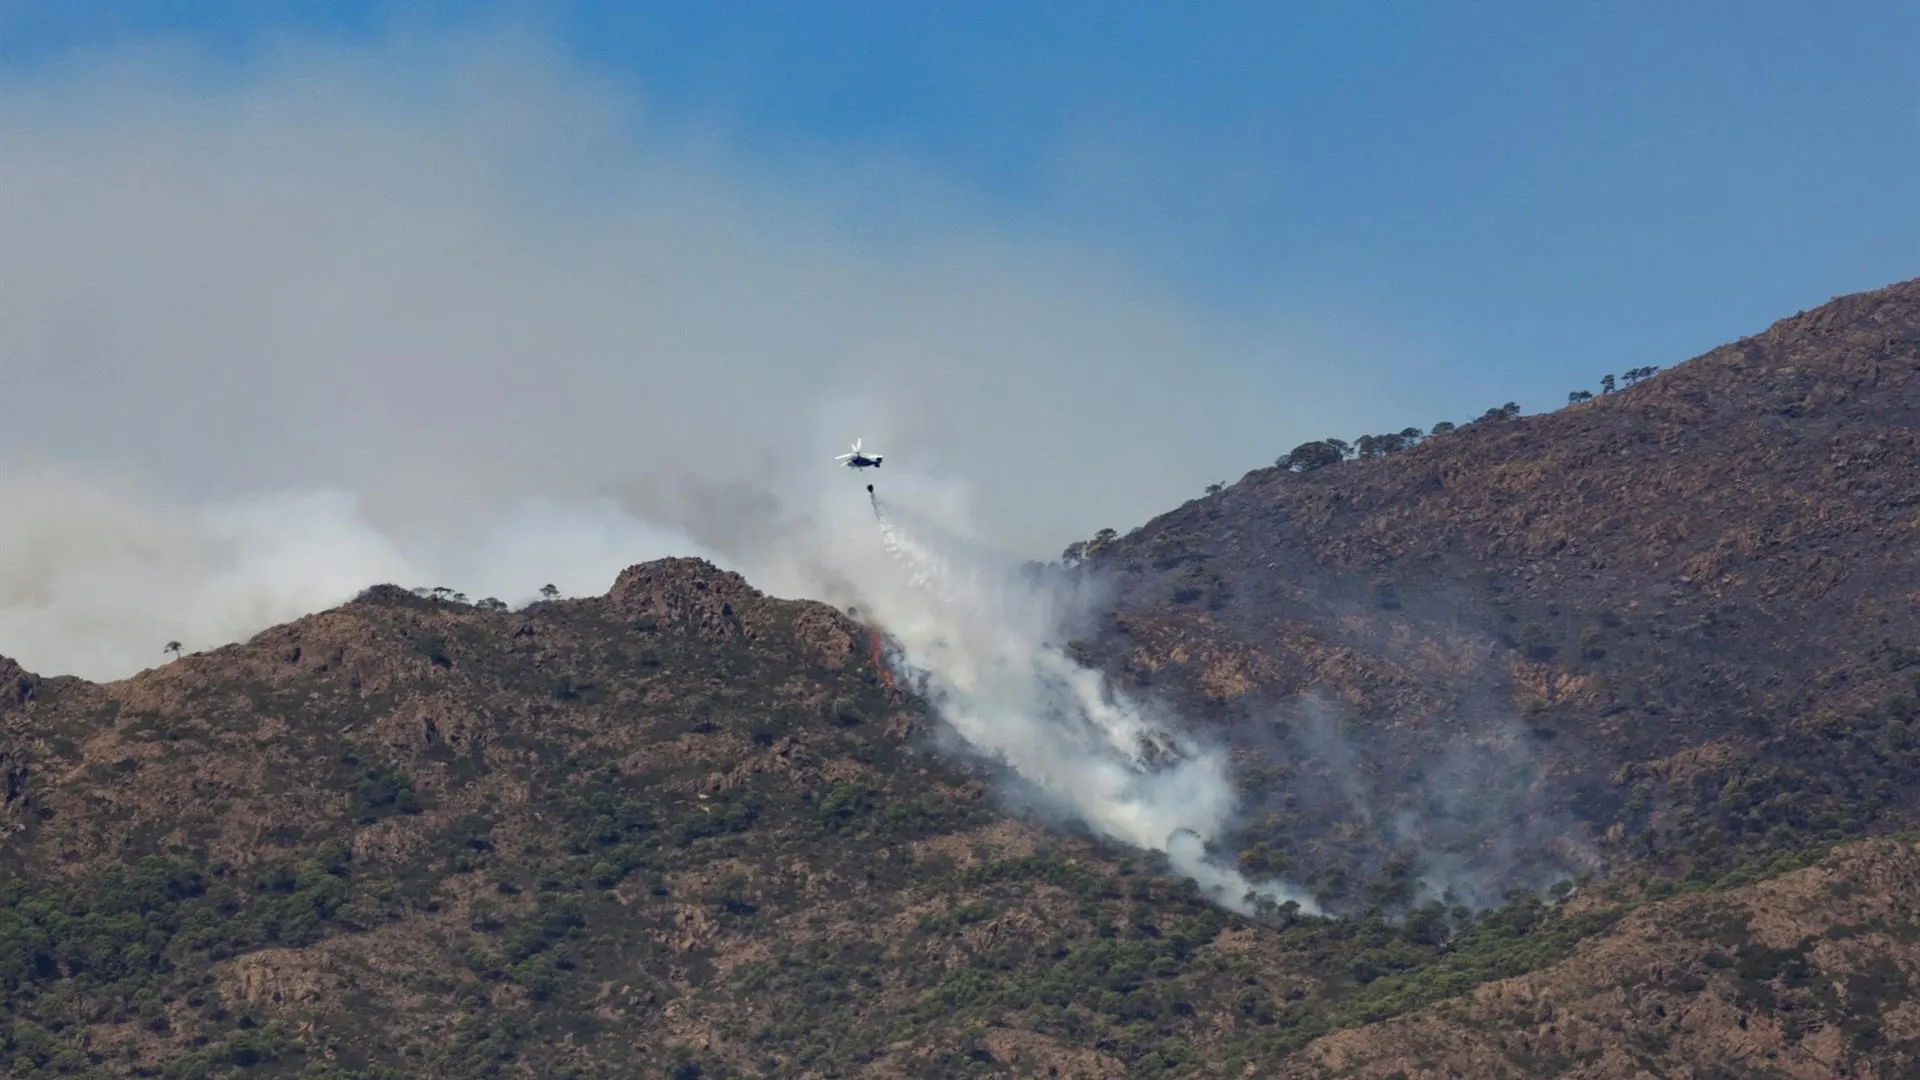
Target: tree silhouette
(549, 591)
(1606, 384)
(1313, 455)
(1579, 396)
(174, 648)
(1372, 446)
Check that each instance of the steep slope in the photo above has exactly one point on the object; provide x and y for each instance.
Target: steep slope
(685, 829)
(1674, 621)
(1807, 976)
(680, 828)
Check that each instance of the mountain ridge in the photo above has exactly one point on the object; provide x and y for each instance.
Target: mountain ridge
(1651, 650)
(1620, 581)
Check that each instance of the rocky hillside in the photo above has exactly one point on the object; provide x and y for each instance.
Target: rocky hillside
(1804, 977)
(688, 830)
(1676, 622)
(682, 829)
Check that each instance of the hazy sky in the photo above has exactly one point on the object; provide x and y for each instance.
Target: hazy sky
(1076, 260)
(1349, 217)
(1502, 199)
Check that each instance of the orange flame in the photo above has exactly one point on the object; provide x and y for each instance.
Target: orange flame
(886, 677)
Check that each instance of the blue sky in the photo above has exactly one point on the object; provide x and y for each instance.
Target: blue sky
(1468, 203)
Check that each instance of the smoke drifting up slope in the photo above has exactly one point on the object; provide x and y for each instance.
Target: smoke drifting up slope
(1476, 819)
(984, 646)
(480, 327)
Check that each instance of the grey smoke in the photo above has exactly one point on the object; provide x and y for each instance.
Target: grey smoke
(98, 574)
(266, 339)
(986, 649)
(1476, 818)
(428, 296)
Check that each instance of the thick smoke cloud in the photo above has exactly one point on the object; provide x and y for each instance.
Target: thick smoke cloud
(448, 286)
(986, 647)
(266, 342)
(98, 574)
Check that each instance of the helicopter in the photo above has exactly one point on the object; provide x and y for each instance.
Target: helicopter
(858, 459)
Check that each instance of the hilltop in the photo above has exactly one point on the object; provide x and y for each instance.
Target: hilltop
(1680, 614)
(682, 828)
(1660, 638)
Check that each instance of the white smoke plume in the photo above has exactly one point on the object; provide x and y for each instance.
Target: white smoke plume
(397, 310)
(985, 648)
(472, 319)
(98, 575)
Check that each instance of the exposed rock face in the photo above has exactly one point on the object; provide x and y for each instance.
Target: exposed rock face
(16, 685)
(689, 594)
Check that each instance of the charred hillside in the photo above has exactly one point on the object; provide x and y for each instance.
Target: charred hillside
(1682, 612)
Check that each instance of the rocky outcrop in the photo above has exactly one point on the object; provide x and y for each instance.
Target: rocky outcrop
(17, 685)
(689, 594)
